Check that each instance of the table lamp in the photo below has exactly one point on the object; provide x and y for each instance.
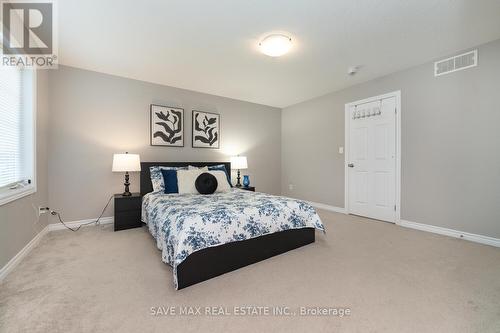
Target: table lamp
(239, 163)
(126, 163)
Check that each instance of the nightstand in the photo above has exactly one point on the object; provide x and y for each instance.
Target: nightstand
(128, 211)
(249, 188)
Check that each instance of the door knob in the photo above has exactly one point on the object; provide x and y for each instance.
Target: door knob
(350, 165)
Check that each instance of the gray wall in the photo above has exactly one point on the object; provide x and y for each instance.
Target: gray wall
(18, 219)
(450, 145)
(94, 115)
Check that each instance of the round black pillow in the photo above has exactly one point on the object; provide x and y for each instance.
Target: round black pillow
(206, 183)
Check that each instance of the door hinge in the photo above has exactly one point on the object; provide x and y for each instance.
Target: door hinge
(394, 207)
(396, 110)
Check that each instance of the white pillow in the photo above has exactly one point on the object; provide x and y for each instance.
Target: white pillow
(222, 184)
(190, 167)
(186, 180)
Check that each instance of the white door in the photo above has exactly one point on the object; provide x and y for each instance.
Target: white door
(372, 159)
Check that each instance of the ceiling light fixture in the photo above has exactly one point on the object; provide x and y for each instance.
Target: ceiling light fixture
(275, 45)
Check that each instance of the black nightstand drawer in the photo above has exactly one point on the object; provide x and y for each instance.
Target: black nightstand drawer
(127, 220)
(128, 211)
(128, 203)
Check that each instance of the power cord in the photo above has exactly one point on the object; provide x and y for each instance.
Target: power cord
(96, 222)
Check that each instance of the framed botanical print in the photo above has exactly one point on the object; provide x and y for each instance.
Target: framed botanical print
(167, 126)
(206, 130)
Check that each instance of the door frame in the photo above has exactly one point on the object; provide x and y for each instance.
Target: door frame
(347, 116)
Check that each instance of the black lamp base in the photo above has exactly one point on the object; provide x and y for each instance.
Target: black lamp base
(238, 184)
(127, 184)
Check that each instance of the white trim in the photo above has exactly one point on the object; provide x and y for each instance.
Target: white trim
(398, 156)
(397, 95)
(76, 224)
(16, 260)
(15, 194)
(11, 195)
(35, 127)
(451, 232)
(322, 206)
(327, 207)
(347, 124)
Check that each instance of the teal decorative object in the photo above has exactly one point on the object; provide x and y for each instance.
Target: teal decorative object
(246, 180)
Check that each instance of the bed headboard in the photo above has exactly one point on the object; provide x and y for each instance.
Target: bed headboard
(146, 185)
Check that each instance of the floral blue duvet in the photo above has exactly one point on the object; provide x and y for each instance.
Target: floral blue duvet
(185, 223)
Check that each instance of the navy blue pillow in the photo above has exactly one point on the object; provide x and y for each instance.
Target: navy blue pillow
(221, 167)
(170, 181)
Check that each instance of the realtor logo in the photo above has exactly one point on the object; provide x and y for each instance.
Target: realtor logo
(28, 32)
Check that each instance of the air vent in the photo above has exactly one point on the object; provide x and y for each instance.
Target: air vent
(456, 63)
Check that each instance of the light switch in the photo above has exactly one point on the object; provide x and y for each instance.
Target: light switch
(341, 150)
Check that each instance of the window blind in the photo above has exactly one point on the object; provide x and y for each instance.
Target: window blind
(12, 156)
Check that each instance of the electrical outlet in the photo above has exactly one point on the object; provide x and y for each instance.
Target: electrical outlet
(291, 187)
(42, 210)
(341, 150)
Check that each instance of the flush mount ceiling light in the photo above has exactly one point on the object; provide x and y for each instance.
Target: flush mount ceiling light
(275, 45)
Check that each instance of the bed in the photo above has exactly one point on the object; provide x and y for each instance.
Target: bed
(203, 236)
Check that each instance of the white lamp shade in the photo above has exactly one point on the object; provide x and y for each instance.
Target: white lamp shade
(239, 162)
(126, 162)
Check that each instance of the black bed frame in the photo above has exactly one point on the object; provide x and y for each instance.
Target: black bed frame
(211, 262)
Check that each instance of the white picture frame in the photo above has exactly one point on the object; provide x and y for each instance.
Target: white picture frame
(205, 130)
(166, 126)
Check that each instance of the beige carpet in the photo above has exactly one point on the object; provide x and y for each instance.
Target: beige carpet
(392, 279)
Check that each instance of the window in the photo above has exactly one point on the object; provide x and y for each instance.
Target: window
(17, 133)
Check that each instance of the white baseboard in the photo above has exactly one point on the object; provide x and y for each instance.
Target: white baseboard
(5, 270)
(76, 224)
(451, 232)
(327, 207)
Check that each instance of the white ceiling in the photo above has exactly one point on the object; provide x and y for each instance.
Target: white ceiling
(211, 46)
